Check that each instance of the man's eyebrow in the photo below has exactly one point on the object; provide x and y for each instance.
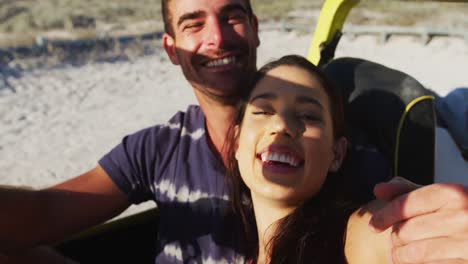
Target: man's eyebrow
(267, 96)
(233, 7)
(310, 100)
(200, 13)
(191, 15)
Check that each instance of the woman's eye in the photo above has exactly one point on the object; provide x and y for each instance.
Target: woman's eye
(261, 113)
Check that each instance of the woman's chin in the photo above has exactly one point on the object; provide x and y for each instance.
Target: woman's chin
(281, 194)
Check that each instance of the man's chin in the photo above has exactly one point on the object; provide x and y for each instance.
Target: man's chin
(227, 95)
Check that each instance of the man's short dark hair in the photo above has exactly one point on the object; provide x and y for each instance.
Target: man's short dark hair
(166, 14)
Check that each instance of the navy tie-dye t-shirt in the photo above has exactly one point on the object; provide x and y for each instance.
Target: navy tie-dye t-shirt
(173, 165)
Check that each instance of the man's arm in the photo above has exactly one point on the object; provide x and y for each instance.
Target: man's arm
(410, 224)
(33, 217)
(41, 254)
(430, 223)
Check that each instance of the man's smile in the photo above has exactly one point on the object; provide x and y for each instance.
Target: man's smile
(230, 60)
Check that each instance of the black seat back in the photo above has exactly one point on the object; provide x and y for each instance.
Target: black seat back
(390, 110)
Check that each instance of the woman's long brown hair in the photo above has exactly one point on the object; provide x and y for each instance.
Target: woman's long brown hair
(315, 231)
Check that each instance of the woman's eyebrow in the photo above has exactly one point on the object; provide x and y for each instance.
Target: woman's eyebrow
(309, 100)
(268, 96)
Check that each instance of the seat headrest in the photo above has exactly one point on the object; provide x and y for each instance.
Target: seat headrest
(377, 99)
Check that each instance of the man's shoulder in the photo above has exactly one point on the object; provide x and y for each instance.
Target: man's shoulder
(155, 146)
(185, 122)
(183, 130)
(192, 119)
(193, 116)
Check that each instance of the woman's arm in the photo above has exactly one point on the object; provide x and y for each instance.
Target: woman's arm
(362, 245)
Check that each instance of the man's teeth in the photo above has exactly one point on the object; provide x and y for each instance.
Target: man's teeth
(221, 62)
(280, 157)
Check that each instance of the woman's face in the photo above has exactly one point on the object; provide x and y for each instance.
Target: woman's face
(286, 146)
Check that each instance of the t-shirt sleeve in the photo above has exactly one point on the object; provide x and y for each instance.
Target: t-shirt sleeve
(133, 163)
(146, 159)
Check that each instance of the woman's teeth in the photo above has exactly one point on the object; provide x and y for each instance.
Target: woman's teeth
(279, 157)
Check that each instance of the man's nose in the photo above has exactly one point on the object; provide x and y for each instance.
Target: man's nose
(215, 35)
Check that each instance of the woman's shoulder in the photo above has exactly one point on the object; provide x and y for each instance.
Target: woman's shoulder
(362, 244)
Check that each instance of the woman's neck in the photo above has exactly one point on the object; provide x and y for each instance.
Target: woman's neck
(267, 214)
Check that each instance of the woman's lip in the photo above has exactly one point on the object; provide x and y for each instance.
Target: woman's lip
(282, 149)
(277, 168)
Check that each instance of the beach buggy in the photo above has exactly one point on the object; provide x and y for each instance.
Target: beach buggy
(398, 127)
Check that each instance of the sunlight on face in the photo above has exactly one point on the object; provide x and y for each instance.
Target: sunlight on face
(215, 44)
(285, 145)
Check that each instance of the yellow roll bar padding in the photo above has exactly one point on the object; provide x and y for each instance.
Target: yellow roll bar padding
(331, 19)
(400, 126)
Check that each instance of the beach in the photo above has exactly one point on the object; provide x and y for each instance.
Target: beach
(57, 123)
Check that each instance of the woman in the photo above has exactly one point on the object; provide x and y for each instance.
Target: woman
(287, 147)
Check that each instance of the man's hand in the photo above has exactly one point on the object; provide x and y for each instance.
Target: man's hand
(430, 223)
(37, 255)
(29, 218)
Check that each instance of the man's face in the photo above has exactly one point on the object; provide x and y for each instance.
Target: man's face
(215, 43)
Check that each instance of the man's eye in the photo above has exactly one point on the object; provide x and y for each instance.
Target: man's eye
(232, 19)
(192, 26)
(236, 17)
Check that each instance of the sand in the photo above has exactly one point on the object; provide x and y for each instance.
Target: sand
(56, 124)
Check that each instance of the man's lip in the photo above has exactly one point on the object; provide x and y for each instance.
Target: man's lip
(223, 68)
(225, 55)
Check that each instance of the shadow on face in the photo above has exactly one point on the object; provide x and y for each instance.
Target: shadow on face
(286, 144)
(215, 44)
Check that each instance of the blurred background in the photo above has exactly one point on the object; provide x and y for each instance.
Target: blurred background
(76, 76)
(28, 23)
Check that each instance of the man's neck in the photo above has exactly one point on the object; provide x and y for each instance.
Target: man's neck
(218, 118)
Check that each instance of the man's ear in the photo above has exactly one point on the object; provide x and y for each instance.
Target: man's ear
(254, 22)
(169, 46)
(339, 151)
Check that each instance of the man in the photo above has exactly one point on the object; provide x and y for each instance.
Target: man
(177, 165)
(180, 164)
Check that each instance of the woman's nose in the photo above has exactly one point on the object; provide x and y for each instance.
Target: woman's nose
(286, 125)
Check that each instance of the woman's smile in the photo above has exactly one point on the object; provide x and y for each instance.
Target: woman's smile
(286, 141)
(280, 158)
